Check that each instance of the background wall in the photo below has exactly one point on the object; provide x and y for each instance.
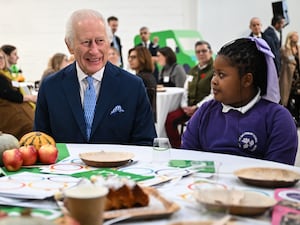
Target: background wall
(37, 27)
(221, 21)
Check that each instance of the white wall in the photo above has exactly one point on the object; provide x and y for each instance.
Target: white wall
(221, 21)
(37, 27)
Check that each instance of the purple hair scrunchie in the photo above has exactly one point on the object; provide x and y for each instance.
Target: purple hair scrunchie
(272, 93)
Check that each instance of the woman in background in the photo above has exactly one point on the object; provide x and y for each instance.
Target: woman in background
(12, 59)
(140, 60)
(16, 112)
(56, 63)
(171, 74)
(289, 79)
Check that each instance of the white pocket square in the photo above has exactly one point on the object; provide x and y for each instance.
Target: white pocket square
(117, 109)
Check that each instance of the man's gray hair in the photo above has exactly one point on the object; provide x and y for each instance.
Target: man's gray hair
(79, 15)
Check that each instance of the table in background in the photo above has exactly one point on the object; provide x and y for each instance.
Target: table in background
(166, 102)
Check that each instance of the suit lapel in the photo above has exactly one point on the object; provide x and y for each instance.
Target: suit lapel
(108, 92)
(72, 92)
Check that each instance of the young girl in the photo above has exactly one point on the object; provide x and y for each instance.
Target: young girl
(244, 118)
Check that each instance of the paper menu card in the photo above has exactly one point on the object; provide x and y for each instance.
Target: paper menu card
(28, 185)
(200, 166)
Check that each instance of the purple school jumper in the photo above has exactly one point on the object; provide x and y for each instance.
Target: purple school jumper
(266, 131)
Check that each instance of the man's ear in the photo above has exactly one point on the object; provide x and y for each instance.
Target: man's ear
(71, 50)
(247, 80)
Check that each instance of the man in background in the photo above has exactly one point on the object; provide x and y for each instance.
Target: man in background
(256, 28)
(273, 38)
(113, 22)
(151, 46)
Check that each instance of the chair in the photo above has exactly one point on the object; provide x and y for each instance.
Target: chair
(182, 127)
(152, 98)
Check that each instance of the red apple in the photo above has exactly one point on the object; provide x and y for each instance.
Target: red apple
(3, 214)
(47, 154)
(29, 155)
(12, 159)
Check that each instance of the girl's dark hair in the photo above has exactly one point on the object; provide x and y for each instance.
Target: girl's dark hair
(243, 54)
(169, 54)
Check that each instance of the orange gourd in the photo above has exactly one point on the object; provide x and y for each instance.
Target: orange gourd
(37, 139)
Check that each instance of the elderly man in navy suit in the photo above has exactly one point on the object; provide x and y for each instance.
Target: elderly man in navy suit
(91, 100)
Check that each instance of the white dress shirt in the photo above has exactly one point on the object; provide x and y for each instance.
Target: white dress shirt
(84, 84)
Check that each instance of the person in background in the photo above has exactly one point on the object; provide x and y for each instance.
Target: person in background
(4, 66)
(4, 69)
(12, 59)
(289, 78)
(198, 87)
(171, 74)
(245, 117)
(56, 63)
(16, 114)
(71, 59)
(92, 100)
(256, 28)
(113, 23)
(140, 61)
(152, 46)
(113, 56)
(272, 36)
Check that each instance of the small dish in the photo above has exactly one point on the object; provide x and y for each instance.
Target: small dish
(249, 203)
(106, 159)
(268, 177)
(161, 89)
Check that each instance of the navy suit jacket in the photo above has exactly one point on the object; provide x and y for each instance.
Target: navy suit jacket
(59, 110)
(273, 41)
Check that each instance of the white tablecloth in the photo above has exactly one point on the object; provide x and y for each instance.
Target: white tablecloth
(180, 192)
(166, 102)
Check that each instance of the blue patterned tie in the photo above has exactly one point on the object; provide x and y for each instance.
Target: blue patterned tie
(89, 104)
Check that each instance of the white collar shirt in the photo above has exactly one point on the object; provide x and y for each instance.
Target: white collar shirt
(276, 32)
(84, 84)
(244, 108)
(146, 44)
(258, 35)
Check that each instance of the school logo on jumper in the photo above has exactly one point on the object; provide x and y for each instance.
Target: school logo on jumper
(248, 141)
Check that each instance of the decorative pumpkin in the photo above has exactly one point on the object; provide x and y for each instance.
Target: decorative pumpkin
(7, 141)
(37, 139)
